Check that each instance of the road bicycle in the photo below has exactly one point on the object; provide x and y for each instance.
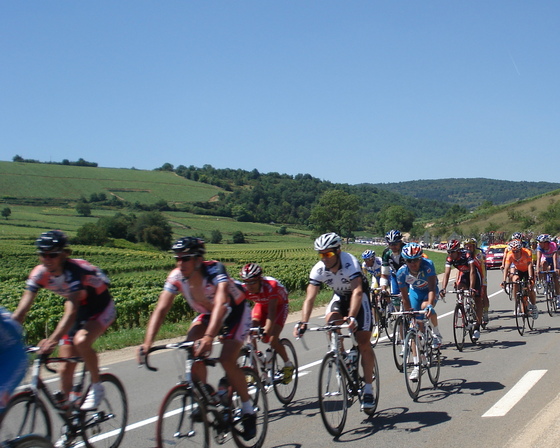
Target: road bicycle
(523, 311)
(191, 411)
(419, 353)
(28, 441)
(464, 318)
(382, 309)
(271, 365)
(549, 291)
(399, 333)
(27, 412)
(341, 381)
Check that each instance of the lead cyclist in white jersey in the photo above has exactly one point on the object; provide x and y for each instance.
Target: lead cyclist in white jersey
(342, 272)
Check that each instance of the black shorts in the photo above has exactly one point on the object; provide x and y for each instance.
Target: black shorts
(341, 305)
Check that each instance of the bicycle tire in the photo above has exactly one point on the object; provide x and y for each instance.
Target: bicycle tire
(472, 322)
(413, 387)
(528, 314)
(433, 361)
(105, 426)
(25, 414)
(520, 316)
(285, 391)
(550, 301)
(30, 441)
(399, 334)
(376, 330)
(375, 385)
(260, 406)
(333, 395)
(460, 326)
(182, 420)
(390, 321)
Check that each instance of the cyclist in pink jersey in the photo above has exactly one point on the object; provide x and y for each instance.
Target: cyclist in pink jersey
(270, 310)
(88, 309)
(547, 259)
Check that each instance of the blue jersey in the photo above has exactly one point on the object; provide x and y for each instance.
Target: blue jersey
(418, 282)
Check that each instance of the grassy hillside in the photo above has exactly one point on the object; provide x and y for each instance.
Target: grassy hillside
(31, 181)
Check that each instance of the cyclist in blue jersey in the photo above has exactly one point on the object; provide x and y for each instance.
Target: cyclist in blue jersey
(13, 360)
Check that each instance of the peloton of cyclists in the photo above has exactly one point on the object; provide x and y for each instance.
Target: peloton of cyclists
(270, 310)
(547, 260)
(418, 284)
(89, 309)
(469, 277)
(342, 272)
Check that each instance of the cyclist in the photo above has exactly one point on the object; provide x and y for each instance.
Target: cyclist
(270, 310)
(470, 244)
(341, 271)
(547, 260)
(418, 284)
(519, 264)
(533, 246)
(515, 236)
(89, 309)
(470, 277)
(391, 261)
(12, 354)
(371, 267)
(223, 311)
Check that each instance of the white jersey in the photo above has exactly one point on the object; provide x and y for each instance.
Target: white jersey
(340, 282)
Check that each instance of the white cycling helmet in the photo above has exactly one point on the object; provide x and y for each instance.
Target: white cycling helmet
(328, 241)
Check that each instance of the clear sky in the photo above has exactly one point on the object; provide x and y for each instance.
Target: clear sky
(347, 91)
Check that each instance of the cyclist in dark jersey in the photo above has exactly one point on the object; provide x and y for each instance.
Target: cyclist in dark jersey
(88, 309)
(391, 262)
(223, 311)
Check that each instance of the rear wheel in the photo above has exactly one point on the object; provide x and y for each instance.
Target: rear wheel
(399, 333)
(30, 441)
(409, 364)
(529, 313)
(25, 414)
(433, 361)
(376, 331)
(285, 388)
(390, 321)
(333, 395)
(375, 386)
(520, 315)
(550, 302)
(459, 326)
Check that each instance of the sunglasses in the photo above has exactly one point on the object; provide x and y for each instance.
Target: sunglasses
(412, 261)
(327, 254)
(184, 257)
(49, 254)
(394, 244)
(251, 282)
(452, 251)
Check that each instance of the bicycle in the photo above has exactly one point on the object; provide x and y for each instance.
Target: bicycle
(382, 314)
(549, 291)
(27, 413)
(419, 353)
(523, 311)
(464, 318)
(340, 381)
(191, 410)
(28, 441)
(271, 366)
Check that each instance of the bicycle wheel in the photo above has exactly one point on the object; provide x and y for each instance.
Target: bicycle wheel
(260, 406)
(390, 321)
(285, 390)
(433, 360)
(413, 386)
(528, 313)
(520, 316)
(245, 358)
(471, 322)
(30, 441)
(539, 288)
(459, 326)
(105, 426)
(550, 302)
(182, 420)
(374, 385)
(399, 333)
(25, 414)
(376, 331)
(333, 395)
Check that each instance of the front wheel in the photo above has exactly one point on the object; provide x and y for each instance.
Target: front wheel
(411, 367)
(105, 426)
(399, 333)
(374, 385)
(182, 420)
(333, 395)
(520, 315)
(376, 331)
(459, 326)
(550, 302)
(433, 361)
(285, 384)
(25, 414)
(30, 441)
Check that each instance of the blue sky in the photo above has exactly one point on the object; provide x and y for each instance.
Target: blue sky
(347, 91)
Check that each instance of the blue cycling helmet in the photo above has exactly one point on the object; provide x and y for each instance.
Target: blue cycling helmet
(367, 254)
(412, 251)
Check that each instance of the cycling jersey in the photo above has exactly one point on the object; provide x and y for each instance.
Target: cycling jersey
(547, 255)
(417, 285)
(78, 275)
(463, 264)
(270, 289)
(522, 262)
(392, 259)
(13, 360)
(374, 271)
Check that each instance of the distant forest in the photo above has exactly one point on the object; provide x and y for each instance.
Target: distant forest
(469, 193)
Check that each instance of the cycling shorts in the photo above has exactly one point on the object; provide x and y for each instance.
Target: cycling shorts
(260, 314)
(236, 323)
(417, 298)
(341, 305)
(105, 318)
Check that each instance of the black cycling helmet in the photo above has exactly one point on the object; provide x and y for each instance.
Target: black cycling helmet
(393, 236)
(189, 246)
(53, 240)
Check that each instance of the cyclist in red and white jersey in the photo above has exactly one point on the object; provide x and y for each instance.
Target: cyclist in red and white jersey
(547, 259)
(88, 309)
(270, 310)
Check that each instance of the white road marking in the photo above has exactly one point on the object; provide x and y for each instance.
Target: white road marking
(517, 392)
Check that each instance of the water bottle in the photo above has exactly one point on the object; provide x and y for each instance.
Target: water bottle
(268, 358)
(351, 359)
(222, 393)
(60, 398)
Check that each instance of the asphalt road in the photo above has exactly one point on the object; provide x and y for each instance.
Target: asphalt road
(502, 392)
